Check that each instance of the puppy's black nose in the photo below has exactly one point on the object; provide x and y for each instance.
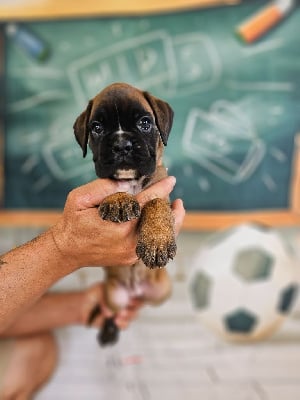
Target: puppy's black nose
(122, 146)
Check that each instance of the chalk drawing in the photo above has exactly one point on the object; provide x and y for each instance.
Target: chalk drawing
(204, 184)
(56, 150)
(38, 72)
(269, 182)
(198, 66)
(264, 47)
(61, 154)
(40, 184)
(30, 163)
(211, 139)
(278, 154)
(37, 99)
(181, 65)
(145, 61)
(261, 86)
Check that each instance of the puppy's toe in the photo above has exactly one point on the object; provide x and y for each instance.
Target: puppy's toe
(172, 248)
(156, 255)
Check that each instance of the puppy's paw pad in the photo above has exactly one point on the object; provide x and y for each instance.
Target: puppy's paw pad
(156, 255)
(109, 334)
(119, 210)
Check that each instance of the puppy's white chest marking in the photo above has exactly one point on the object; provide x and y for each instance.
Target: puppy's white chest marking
(136, 187)
(132, 187)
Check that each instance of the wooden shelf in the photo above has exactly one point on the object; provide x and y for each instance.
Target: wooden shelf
(193, 221)
(49, 9)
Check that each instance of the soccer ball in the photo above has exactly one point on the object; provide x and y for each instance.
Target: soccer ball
(244, 282)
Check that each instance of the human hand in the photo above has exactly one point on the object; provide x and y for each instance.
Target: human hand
(83, 238)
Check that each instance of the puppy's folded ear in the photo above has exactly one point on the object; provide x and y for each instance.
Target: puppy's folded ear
(163, 115)
(80, 127)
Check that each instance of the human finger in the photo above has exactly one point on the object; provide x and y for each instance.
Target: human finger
(160, 189)
(123, 319)
(92, 194)
(179, 214)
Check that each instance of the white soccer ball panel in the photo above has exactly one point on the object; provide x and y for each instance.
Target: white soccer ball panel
(285, 271)
(261, 299)
(213, 262)
(225, 295)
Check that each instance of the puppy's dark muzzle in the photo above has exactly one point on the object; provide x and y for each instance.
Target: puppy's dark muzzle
(122, 147)
(124, 151)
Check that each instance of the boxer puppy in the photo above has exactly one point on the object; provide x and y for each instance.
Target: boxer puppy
(126, 130)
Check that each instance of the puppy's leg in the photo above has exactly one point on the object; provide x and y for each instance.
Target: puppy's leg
(116, 294)
(157, 286)
(117, 297)
(156, 240)
(124, 283)
(118, 207)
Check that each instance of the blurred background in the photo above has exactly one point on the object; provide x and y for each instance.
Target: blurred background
(231, 72)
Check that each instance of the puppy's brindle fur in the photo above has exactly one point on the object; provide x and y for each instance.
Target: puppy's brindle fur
(127, 129)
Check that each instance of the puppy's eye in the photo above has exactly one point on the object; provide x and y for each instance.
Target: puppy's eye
(96, 127)
(145, 124)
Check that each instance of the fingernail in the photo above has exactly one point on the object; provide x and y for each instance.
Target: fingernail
(173, 179)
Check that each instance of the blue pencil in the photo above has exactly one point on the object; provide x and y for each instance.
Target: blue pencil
(29, 42)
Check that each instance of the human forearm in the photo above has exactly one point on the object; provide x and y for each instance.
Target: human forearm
(56, 310)
(53, 310)
(26, 273)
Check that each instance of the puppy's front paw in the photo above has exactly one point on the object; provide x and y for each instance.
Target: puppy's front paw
(156, 242)
(119, 207)
(156, 253)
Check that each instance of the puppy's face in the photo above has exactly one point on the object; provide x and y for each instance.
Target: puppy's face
(125, 129)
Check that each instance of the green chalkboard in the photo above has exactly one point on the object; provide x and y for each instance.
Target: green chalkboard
(237, 106)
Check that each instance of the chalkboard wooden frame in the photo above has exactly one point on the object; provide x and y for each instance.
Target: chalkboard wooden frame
(193, 220)
(1, 118)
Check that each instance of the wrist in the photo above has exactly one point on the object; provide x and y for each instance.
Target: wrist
(67, 260)
(55, 258)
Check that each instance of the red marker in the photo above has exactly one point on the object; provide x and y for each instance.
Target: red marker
(260, 23)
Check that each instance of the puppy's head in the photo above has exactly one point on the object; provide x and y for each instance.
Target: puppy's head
(126, 130)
